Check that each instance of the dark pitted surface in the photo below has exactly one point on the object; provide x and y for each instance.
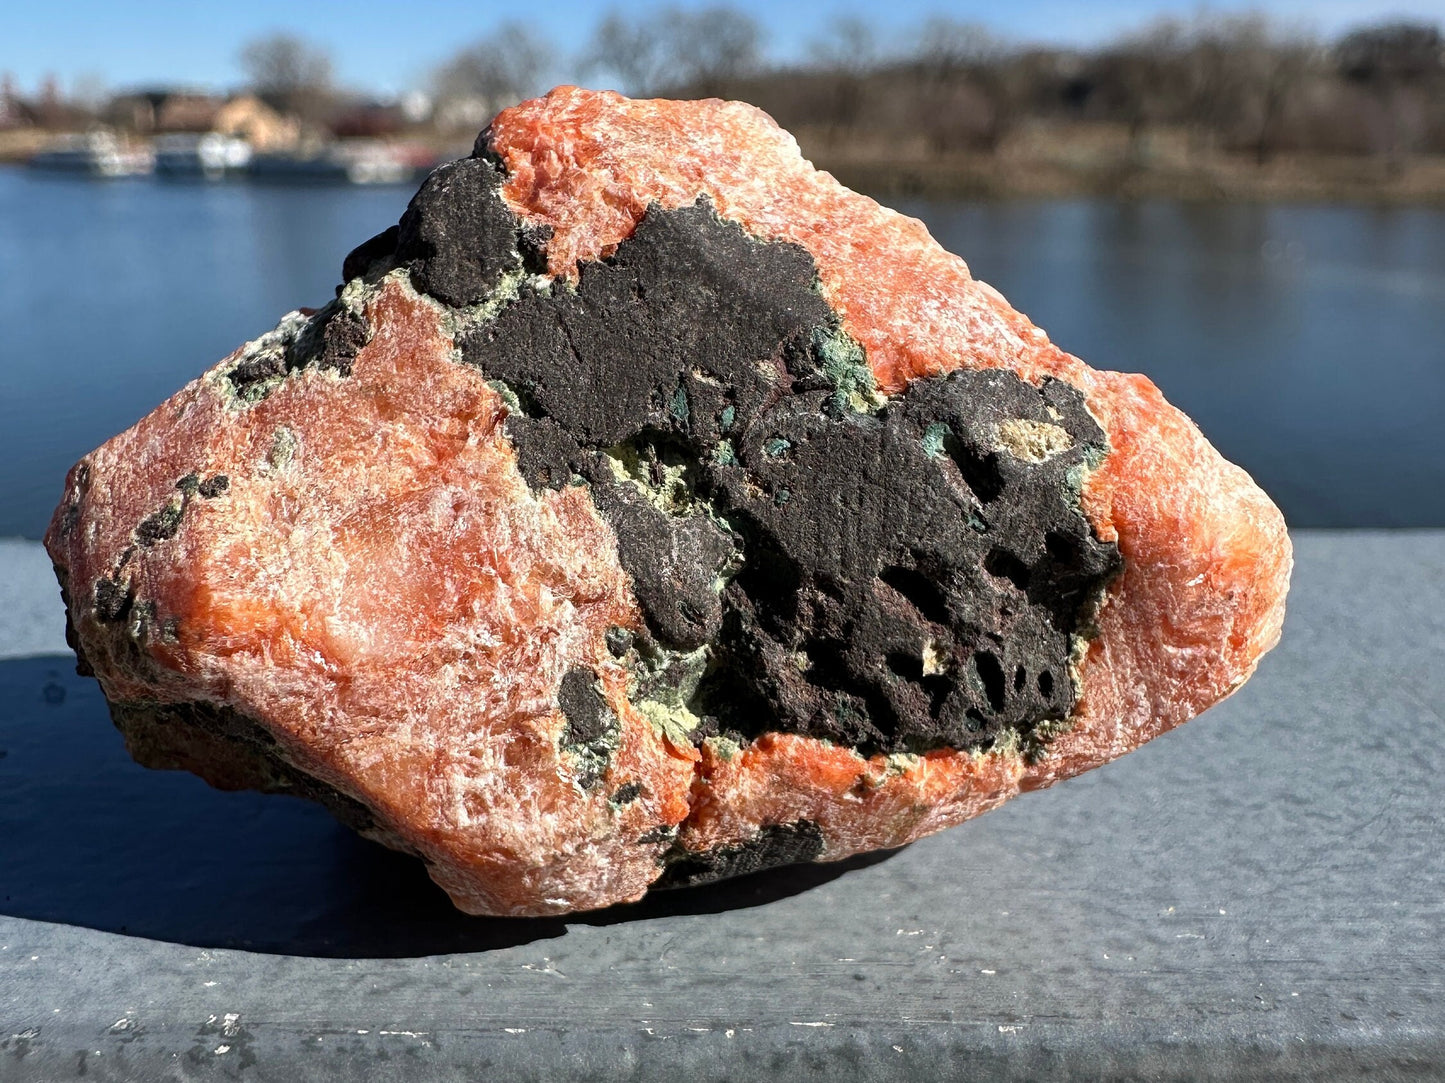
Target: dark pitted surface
(769, 509)
(1258, 895)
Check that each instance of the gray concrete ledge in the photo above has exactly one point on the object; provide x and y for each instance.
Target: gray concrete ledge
(1259, 894)
(32, 620)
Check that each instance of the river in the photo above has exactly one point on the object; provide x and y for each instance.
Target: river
(1308, 342)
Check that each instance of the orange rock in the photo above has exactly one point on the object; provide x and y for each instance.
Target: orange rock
(379, 591)
(1207, 556)
(322, 567)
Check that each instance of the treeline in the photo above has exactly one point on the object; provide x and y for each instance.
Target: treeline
(1236, 84)
(1233, 85)
(1240, 84)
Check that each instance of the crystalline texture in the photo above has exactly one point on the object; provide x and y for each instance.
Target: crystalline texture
(772, 536)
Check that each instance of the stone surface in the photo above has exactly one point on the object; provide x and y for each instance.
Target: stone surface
(1076, 933)
(649, 508)
(32, 622)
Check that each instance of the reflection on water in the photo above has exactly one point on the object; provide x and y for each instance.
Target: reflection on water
(113, 295)
(1306, 341)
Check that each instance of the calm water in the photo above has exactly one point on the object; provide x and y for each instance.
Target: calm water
(1308, 342)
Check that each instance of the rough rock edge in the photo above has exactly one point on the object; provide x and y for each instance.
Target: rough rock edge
(1258, 635)
(216, 742)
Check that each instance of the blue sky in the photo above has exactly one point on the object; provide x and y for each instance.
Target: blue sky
(391, 45)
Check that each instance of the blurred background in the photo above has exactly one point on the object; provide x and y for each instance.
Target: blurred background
(1246, 204)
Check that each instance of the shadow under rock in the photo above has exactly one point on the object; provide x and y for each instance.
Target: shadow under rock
(89, 838)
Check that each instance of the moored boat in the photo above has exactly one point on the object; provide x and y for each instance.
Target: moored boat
(96, 154)
(208, 156)
(352, 161)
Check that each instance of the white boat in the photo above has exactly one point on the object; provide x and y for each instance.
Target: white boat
(368, 162)
(97, 154)
(210, 156)
(354, 161)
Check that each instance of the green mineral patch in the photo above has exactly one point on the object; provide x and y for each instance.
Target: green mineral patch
(665, 484)
(845, 712)
(1034, 746)
(674, 723)
(670, 678)
(509, 288)
(679, 406)
(592, 758)
(295, 343)
(592, 731)
(354, 295)
(1007, 743)
(162, 524)
(664, 685)
(724, 748)
(283, 448)
(1074, 479)
(901, 762)
(846, 365)
(508, 395)
(934, 438)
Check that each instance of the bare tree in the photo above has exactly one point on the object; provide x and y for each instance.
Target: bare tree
(1408, 52)
(289, 74)
(633, 51)
(971, 86)
(1280, 73)
(1403, 67)
(949, 47)
(848, 44)
(1235, 77)
(1139, 81)
(508, 65)
(846, 54)
(679, 51)
(711, 47)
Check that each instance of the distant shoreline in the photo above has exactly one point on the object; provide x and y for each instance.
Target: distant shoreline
(1285, 181)
(987, 180)
(1078, 162)
(1072, 161)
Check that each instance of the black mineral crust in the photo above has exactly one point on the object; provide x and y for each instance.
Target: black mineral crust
(160, 736)
(591, 732)
(328, 340)
(457, 237)
(166, 736)
(796, 843)
(893, 575)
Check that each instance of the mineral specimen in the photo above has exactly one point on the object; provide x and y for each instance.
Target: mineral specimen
(649, 508)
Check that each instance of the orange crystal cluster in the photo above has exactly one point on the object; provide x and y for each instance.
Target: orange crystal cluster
(380, 603)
